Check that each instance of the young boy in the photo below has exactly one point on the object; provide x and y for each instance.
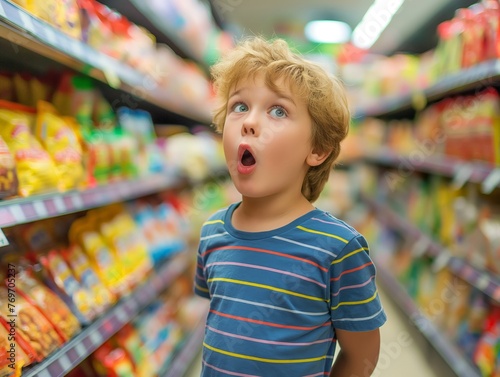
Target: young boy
(286, 281)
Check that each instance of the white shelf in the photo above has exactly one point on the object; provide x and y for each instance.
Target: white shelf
(39, 207)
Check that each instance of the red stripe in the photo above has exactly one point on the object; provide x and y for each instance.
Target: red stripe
(268, 323)
(351, 270)
(267, 252)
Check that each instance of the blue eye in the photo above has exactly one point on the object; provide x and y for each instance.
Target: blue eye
(240, 108)
(278, 112)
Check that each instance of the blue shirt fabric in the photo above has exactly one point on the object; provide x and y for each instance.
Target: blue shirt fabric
(276, 297)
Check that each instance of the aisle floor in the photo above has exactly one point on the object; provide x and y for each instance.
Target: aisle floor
(404, 351)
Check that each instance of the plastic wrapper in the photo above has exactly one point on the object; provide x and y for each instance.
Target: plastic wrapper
(8, 172)
(48, 303)
(36, 171)
(88, 278)
(31, 326)
(60, 278)
(61, 142)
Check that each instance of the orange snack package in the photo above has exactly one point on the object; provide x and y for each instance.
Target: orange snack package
(30, 324)
(8, 173)
(48, 303)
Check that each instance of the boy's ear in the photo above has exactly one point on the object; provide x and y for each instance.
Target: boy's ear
(316, 158)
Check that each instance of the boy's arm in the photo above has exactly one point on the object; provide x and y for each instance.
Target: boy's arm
(359, 352)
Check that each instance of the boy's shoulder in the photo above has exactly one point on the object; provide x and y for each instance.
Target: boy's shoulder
(324, 223)
(216, 218)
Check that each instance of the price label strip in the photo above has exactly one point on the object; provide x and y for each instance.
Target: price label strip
(462, 176)
(3, 240)
(491, 182)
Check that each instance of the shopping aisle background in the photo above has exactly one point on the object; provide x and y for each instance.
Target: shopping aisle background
(404, 351)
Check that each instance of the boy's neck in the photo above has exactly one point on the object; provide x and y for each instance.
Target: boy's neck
(263, 214)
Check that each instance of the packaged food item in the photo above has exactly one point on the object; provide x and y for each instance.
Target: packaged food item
(31, 326)
(48, 303)
(62, 144)
(36, 171)
(101, 256)
(112, 362)
(13, 356)
(60, 279)
(8, 172)
(128, 339)
(22, 89)
(6, 87)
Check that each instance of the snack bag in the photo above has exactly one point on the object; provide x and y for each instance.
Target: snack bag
(62, 144)
(12, 355)
(112, 362)
(31, 326)
(82, 269)
(102, 258)
(36, 171)
(8, 173)
(61, 279)
(48, 303)
(121, 233)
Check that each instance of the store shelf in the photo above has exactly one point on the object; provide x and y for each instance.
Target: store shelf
(183, 360)
(93, 336)
(455, 359)
(39, 207)
(141, 13)
(482, 75)
(485, 281)
(462, 172)
(22, 29)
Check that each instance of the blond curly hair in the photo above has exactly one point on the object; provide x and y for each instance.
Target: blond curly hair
(324, 95)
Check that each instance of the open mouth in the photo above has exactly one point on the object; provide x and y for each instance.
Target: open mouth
(247, 159)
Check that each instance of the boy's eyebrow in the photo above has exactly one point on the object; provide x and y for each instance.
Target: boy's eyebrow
(280, 95)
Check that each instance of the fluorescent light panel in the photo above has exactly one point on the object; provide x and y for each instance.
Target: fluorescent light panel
(324, 31)
(374, 22)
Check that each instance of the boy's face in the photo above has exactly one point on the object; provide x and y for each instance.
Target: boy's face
(266, 139)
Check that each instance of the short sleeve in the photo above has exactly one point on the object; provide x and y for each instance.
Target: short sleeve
(355, 303)
(200, 283)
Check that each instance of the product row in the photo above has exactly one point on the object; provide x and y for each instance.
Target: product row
(62, 274)
(147, 346)
(111, 33)
(468, 39)
(70, 137)
(466, 128)
(467, 225)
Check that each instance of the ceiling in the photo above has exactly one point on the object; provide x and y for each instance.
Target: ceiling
(413, 28)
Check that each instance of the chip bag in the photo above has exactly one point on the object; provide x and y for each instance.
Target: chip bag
(36, 171)
(8, 173)
(62, 144)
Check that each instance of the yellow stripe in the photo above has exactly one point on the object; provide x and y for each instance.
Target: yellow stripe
(322, 233)
(200, 288)
(277, 361)
(212, 222)
(356, 302)
(349, 255)
(266, 287)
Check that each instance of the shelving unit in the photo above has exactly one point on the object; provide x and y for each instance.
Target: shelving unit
(39, 207)
(485, 281)
(28, 32)
(443, 346)
(473, 172)
(482, 75)
(93, 336)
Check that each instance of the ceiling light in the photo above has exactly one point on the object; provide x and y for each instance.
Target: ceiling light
(324, 31)
(374, 22)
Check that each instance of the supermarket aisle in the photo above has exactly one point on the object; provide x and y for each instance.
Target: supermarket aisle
(404, 351)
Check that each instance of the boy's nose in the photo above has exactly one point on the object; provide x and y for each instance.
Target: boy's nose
(250, 126)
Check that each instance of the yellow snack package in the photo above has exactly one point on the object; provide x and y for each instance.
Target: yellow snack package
(62, 143)
(104, 261)
(36, 171)
(121, 234)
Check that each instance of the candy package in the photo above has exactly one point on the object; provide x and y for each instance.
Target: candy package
(8, 172)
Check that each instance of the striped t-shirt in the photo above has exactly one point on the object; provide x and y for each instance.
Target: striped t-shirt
(276, 297)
